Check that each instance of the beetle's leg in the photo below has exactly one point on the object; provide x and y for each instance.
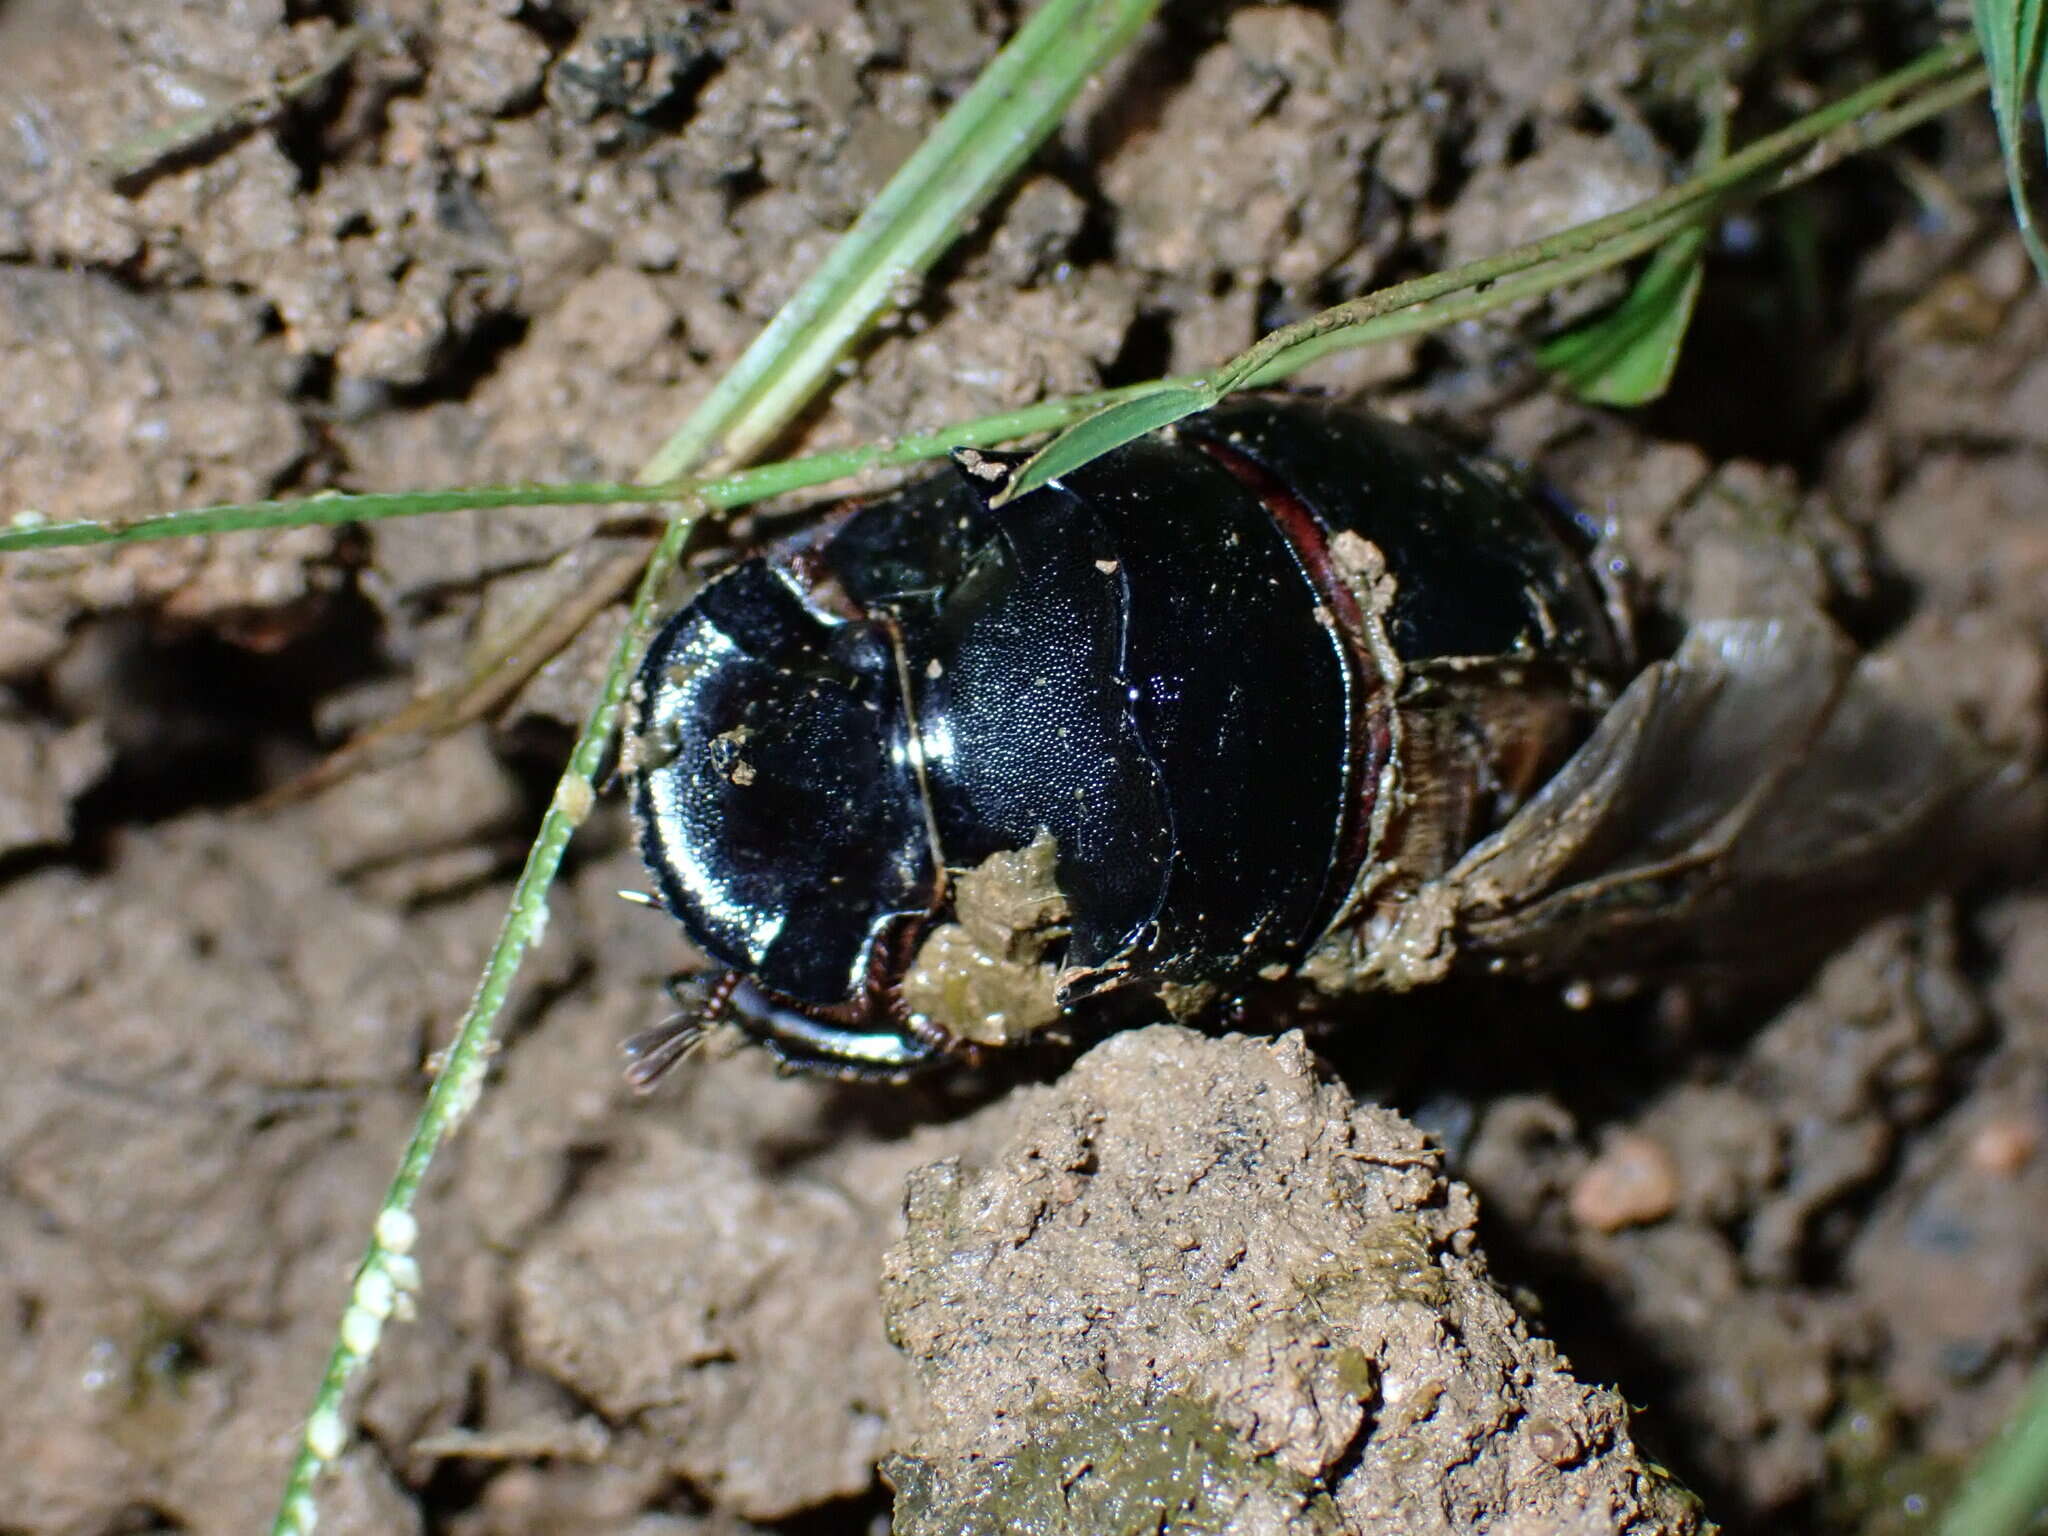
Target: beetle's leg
(711, 1002)
(927, 1032)
(841, 1041)
(883, 995)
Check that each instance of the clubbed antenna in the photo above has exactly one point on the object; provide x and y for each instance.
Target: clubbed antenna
(653, 1053)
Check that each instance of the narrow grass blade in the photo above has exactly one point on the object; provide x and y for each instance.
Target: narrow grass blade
(1452, 309)
(2014, 36)
(134, 159)
(1818, 139)
(1627, 355)
(29, 530)
(389, 1272)
(1107, 429)
(2006, 1493)
(988, 134)
(719, 492)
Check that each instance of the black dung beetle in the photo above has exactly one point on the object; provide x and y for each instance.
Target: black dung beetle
(1285, 690)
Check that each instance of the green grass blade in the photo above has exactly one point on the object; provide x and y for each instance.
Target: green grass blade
(990, 132)
(30, 531)
(1110, 428)
(1627, 355)
(1417, 319)
(2014, 37)
(1818, 139)
(2006, 1493)
(136, 157)
(388, 1272)
(1847, 121)
(719, 492)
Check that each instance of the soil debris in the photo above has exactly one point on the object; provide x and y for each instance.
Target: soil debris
(1196, 1288)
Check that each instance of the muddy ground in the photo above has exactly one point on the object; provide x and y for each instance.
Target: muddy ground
(1800, 1231)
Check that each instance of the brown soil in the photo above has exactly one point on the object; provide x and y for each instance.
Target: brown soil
(1803, 1230)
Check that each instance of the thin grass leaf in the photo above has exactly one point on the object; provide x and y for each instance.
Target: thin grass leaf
(1942, 75)
(1627, 355)
(721, 493)
(29, 530)
(2006, 1492)
(969, 157)
(1420, 318)
(2014, 37)
(1110, 428)
(135, 159)
(388, 1274)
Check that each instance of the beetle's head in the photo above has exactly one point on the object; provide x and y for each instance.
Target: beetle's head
(779, 811)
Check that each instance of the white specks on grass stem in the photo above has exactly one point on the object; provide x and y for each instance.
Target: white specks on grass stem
(375, 1291)
(360, 1330)
(397, 1231)
(574, 797)
(404, 1271)
(326, 1435)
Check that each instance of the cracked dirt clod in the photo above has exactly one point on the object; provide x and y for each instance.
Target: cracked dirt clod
(1197, 1289)
(120, 405)
(753, 1381)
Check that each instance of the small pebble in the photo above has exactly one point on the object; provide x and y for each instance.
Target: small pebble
(1552, 1441)
(1633, 1182)
(2003, 1147)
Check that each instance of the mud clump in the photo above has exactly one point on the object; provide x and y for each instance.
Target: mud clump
(985, 975)
(1196, 1288)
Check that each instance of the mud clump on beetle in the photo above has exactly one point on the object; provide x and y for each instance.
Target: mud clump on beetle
(985, 975)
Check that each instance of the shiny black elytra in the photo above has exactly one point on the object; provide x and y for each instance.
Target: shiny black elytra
(1246, 673)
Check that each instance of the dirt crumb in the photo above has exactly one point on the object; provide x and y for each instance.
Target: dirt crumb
(125, 405)
(42, 770)
(1632, 1183)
